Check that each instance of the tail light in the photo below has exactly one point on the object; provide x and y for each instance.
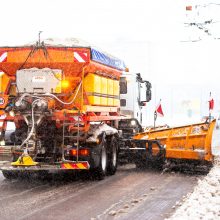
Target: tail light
(73, 152)
(82, 152)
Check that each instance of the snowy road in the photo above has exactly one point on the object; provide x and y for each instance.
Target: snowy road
(130, 194)
(204, 201)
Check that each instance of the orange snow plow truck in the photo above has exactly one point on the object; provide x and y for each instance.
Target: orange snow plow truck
(76, 107)
(63, 97)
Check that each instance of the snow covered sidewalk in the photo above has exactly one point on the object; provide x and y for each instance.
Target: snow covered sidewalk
(204, 202)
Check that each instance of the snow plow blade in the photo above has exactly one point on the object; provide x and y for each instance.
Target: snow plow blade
(190, 142)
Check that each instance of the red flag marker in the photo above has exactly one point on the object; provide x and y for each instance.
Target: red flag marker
(159, 110)
(211, 103)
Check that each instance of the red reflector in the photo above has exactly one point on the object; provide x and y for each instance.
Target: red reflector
(189, 8)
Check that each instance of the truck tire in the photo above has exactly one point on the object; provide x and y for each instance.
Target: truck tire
(101, 171)
(112, 156)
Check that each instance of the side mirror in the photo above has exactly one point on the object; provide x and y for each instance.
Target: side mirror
(148, 91)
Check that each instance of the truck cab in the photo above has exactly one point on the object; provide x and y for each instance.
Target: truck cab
(134, 94)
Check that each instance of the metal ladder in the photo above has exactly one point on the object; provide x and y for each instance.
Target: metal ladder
(77, 137)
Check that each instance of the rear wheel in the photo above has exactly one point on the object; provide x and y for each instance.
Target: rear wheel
(113, 156)
(101, 170)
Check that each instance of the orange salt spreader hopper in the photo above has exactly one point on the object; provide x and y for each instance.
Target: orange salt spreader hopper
(75, 64)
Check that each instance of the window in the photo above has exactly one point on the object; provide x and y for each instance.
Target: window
(122, 102)
(123, 85)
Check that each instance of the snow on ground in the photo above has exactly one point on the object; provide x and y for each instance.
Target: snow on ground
(204, 202)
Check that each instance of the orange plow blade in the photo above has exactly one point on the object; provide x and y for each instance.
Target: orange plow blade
(191, 142)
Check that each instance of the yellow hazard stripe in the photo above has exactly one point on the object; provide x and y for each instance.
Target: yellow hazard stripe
(81, 166)
(68, 166)
(74, 166)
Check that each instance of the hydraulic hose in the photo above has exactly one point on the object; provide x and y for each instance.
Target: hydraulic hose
(59, 100)
(33, 122)
(53, 96)
(39, 98)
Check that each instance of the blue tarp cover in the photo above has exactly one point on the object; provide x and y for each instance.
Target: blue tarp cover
(107, 59)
